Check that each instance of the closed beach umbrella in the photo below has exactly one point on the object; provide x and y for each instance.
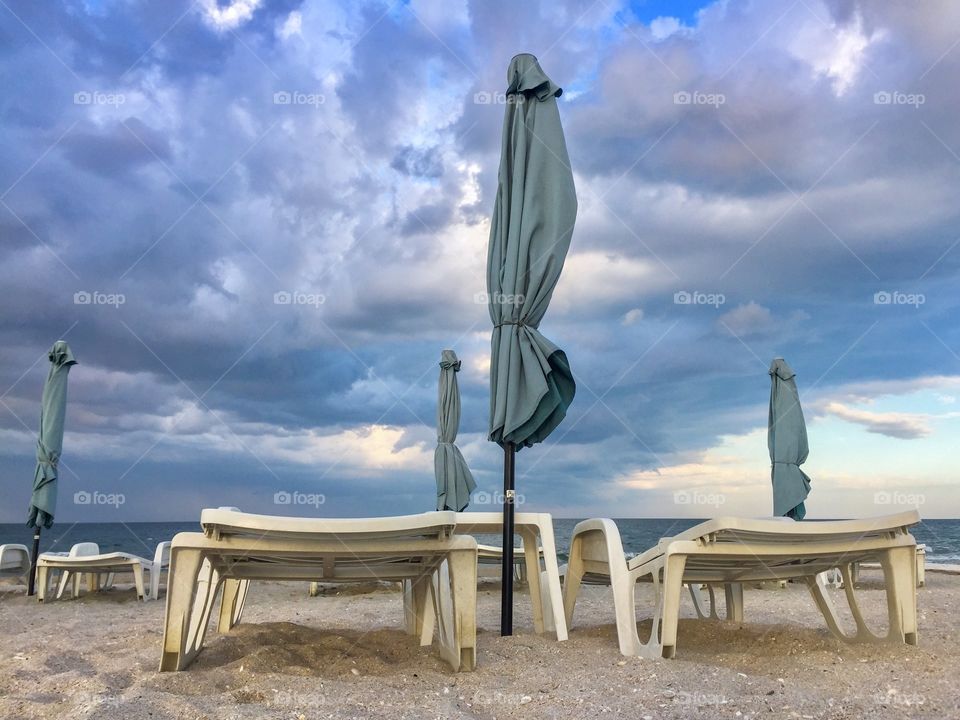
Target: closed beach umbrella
(454, 479)
(531, 385)
(787, 441)
(53, 408)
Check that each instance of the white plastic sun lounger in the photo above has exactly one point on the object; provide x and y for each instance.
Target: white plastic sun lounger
(14, 561)
(730, 551)
(236, 548)
(86, 559)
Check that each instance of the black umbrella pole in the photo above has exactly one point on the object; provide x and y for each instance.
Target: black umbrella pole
(32, 583)
(506, 578)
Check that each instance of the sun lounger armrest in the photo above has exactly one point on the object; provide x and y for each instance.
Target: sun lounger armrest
(161, 558)
(599, 541)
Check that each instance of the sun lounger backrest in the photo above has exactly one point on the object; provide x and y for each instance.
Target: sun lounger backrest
(84, 549)
(222, 522)
(745, 530)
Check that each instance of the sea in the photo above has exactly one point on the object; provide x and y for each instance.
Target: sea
(942, 537)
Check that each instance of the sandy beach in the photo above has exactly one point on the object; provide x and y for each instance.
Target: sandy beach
(344, 655)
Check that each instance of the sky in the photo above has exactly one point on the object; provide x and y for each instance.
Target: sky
(257, 224)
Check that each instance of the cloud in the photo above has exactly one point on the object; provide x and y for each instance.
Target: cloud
(903, 426)
(229, 16)
(205, 194)
(749, 319)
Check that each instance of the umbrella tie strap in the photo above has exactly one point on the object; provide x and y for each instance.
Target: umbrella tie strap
(518, 323)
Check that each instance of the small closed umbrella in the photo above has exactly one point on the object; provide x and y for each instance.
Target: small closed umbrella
(787, 442)
(531, 385)
(53, 409)
(454, 479)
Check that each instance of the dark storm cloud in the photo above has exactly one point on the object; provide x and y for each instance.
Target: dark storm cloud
(362, 200)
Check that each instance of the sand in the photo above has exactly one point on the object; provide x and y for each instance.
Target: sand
(343, 655)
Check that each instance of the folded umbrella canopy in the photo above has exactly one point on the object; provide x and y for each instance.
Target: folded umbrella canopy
(454, 480)
(787, 441)
(53, 409)
(531, 385)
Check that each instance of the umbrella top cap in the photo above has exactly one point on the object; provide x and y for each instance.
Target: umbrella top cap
(527, 77)
(780, 368)
(60, 354)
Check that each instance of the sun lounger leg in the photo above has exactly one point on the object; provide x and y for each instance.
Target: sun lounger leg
(77, 578)
(455, 605)
(231, 603)
(463, 583)
(734, 598)
(43, 582)
(696, 594)
(416, 592)
(672, 583)
(900, 572)
(818, 591)
(138, 580)
(441, 595)
(571, 580)
(552, 573)
(531, 553)
(190, 594)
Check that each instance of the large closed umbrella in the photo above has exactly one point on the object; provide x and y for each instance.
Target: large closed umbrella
(531, 384)
(454, 479)
(787, 441)
(53, 409)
